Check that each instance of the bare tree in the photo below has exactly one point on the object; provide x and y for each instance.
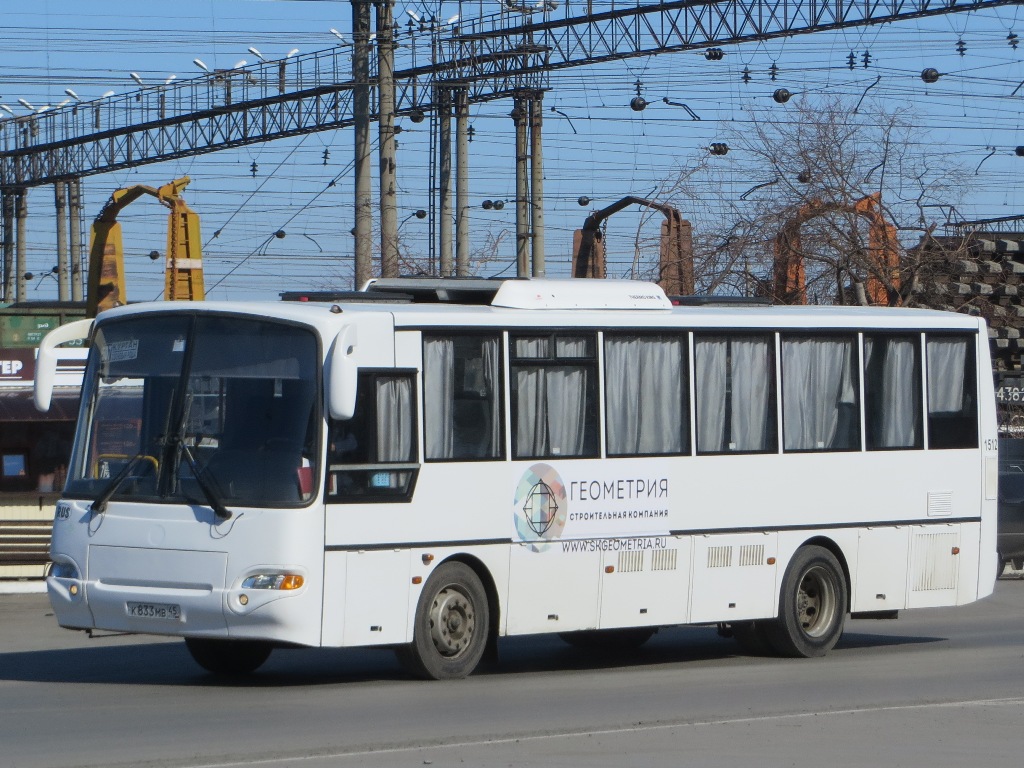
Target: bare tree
(839, 196)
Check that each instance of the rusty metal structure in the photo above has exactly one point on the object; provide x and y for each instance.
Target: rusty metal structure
(183, 278)
(882, 282)
(675, 270)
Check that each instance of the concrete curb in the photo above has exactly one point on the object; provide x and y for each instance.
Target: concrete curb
(35, 586)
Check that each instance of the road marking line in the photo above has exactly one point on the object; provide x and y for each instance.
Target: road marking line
(638, 728)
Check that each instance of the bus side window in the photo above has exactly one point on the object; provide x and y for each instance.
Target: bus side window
(371, 457)
(952, 394)
(820, 406)
(892, 391)
(734, 378)
(554, 396)
(462, 405)
(646, 388)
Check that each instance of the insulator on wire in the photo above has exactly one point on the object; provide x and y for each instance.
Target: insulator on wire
(718, 148)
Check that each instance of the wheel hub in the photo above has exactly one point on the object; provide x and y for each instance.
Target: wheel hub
(452, 621)
(815, 602)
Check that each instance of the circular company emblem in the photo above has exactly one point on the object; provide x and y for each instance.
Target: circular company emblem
(540, 506)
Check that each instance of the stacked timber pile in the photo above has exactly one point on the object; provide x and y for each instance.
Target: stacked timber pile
(980, 273)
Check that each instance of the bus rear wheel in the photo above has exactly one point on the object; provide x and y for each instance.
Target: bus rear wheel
(812, 605)
(451, 625)
(229, 658)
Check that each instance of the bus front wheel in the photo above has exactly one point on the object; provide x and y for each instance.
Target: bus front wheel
(812, 605)
(229, 658)
(451, 625)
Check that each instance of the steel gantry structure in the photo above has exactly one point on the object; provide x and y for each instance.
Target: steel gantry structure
(497, 56)
(492, 56)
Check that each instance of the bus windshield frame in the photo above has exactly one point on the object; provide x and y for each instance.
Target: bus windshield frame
(179, 408)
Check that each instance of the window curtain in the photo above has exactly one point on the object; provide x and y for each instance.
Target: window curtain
(711, 357)
(893, 392)
(394, 419)
(492, 381)
(735, 410)
(947, 359)
(819, 396)
(439, 397)
(644, 381)
(753, 421)
(551, 410)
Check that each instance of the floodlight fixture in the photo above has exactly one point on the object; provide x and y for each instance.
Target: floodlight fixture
(135, 76)
(256, 53)
(201, 64)
(72, 94)
(291, 53)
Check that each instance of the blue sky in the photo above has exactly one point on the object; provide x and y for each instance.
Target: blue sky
(594, 145)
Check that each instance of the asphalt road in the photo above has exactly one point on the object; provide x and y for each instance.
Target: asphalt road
(941, 687)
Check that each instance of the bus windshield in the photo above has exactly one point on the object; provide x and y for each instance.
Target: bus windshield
(176, 403)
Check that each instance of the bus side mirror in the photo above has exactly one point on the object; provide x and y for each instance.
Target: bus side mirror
(342, 375)
(46, 359)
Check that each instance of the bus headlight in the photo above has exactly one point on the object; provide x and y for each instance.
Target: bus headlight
(282, 581)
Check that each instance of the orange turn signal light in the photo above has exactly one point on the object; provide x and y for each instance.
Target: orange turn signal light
(292, 581)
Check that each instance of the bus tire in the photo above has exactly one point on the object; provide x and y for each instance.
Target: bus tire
(229, 658)
(812, 605)
(626, 639)
(451, 625)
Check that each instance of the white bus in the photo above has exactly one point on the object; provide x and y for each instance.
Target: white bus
(466, 460)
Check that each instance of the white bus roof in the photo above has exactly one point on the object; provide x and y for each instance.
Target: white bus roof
(569, 302)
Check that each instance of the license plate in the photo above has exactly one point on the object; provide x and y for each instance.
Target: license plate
(154, 611)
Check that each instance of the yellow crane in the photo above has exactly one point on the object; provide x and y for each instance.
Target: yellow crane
(183, 278)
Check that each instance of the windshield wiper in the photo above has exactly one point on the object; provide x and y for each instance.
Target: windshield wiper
(99, 505)
(211, 495)
(178, 443)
